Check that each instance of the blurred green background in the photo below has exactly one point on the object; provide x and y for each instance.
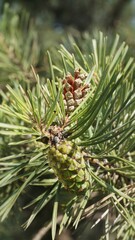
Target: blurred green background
(59, 17)
(39, 25)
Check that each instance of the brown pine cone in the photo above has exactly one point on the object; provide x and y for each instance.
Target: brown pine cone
(74, 90)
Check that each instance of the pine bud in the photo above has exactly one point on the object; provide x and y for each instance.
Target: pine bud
(74, 90)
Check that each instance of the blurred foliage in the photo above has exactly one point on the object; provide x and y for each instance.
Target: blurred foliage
(22, 45)
(19, 46)
(82, 15)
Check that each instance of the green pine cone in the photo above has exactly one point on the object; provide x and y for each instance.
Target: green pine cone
(66, 159)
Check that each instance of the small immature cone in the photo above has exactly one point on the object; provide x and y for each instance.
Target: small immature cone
(67, 161)
(74, 90)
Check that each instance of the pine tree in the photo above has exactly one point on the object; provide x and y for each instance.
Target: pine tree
(83, 152)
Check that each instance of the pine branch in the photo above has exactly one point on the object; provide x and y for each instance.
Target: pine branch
(74, 150)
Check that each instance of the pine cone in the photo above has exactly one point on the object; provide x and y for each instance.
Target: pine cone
(74, 90)
(67, 161)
